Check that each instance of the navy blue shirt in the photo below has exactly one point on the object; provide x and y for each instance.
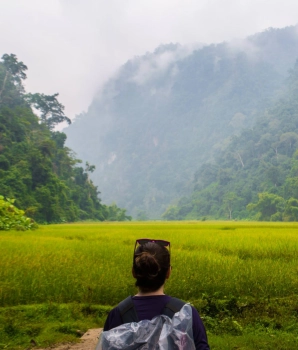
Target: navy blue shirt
(148, 307)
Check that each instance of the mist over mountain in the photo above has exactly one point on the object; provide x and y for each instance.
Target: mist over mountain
(166, 113)
(255, 174)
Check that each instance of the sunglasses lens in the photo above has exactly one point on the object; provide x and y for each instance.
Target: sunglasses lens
(143, 241)
(163, 243)
(157, 241)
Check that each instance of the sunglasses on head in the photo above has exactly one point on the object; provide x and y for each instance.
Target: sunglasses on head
(160, 242)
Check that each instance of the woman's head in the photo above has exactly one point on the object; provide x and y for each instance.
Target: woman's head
(151, 265)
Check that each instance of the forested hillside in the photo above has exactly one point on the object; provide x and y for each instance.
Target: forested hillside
(255, 174)
(166, 113)
(36, 168)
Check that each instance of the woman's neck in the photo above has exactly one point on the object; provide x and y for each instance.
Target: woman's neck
(160, 291)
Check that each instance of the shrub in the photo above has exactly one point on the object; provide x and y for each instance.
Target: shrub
(13, 218)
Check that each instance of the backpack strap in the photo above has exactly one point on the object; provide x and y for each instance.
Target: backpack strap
(173, 306)
(127, 311)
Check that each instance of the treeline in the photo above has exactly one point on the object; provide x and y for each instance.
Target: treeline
(35, 166)
(255, 174)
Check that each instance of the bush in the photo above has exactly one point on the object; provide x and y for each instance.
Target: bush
(13, 218)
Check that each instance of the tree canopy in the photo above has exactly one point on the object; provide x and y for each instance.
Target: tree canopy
(51, 110)
(36, 168)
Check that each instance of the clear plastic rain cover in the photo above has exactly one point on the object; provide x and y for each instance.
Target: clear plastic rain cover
(161, 333)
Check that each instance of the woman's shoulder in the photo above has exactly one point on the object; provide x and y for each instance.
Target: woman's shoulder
(113, 320)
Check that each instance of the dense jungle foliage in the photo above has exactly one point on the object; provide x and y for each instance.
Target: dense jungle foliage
(12, 217)
(166, 113)
(256, 174)
(36, 168)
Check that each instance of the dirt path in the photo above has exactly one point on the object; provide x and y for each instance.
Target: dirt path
(88, 341)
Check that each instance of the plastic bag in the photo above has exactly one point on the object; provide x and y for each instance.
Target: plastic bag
(160, 333)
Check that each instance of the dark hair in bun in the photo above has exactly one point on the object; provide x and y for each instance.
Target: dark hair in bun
(150, 266)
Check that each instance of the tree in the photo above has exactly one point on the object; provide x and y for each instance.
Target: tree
(229, 201)
(291, 210)
(89, 168)
(51, 110)
(171, 213)
(291, 187)
(288, 140)
(116, 214)
(14, 71)
(268, 208)
(13, 218)
(273, 173)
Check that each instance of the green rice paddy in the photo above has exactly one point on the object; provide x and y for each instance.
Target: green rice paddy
(235, 269)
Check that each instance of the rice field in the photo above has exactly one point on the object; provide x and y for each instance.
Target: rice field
(91, 262)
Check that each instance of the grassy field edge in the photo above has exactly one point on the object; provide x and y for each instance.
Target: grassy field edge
(232, 323)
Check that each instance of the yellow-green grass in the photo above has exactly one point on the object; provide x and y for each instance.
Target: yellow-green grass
(91, 262)
(242, 277)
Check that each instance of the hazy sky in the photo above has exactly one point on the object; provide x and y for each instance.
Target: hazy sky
(73, 46)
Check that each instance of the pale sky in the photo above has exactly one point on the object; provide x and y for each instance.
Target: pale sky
(74, 46)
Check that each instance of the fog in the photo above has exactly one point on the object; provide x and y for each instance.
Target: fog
(74, 46)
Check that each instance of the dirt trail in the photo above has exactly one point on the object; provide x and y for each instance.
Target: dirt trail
(88, 341)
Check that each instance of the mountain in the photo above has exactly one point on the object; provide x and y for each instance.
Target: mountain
(166, 113)
(255, 174)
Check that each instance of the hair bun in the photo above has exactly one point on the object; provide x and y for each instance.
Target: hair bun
(147, 265)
